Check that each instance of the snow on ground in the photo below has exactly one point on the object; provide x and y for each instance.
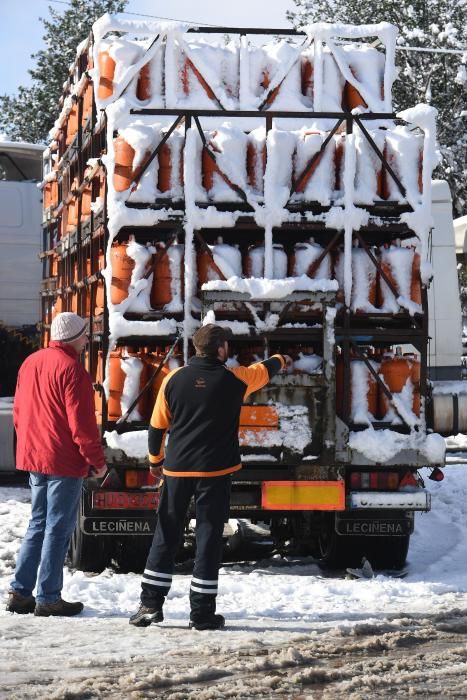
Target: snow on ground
(277, 611)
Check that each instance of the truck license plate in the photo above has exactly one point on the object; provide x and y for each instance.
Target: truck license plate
(122, 500)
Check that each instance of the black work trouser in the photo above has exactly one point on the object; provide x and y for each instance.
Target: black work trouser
(212, 499)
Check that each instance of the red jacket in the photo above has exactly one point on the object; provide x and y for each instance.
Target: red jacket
(54, 415)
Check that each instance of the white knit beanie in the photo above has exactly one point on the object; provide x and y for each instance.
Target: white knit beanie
(67, 327)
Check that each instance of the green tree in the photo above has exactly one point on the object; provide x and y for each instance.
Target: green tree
(29, 115)
(437, 78)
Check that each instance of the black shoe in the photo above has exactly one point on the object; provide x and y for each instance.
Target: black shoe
(60, 608)
(145, 616)
(20, 604)
(210, 622)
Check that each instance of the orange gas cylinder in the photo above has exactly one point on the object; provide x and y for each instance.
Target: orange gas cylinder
(396, 370)
(106, 75)
(87, 102)
(72, 123)
(206, 268)
(165, 168)
(153, 361)
(301, 182)
(253, 263)
(265, 83)
(86, 197)
(371, 402)
(307, 77)
(116, 383)
(416, 283)
(123, 171)
(415, 377)
(100, 289)
(46, 195)
(161, 291)
(72, 214)
(54, 265)
(122, 269)
(57, 307)
(256, 155)
(143, 88)
(351, 98)
(302, 261)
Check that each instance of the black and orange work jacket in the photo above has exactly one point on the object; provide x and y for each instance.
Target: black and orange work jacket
(200, 404)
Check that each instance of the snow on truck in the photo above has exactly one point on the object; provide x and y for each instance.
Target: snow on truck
(257, 179)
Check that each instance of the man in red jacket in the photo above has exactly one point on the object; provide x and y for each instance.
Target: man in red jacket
(58, 443)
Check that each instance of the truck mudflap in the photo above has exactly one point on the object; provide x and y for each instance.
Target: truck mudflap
(391, 523)
(405, 500)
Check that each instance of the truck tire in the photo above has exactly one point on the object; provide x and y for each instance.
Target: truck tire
(88, 552)
(131, 553)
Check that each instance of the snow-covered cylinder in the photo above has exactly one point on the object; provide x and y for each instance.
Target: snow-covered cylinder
(307, 76)
(167, 284)
(106, 75)
(363, 391)
(256, 156)
(404, 153)
(302, 260)
(364, 280)
(254, 262)
(122, 269)
(227, 258)
(190, 73)
(170, 172)
(402, 267)
(208, 166)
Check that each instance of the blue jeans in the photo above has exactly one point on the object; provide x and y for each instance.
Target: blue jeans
(54, 507)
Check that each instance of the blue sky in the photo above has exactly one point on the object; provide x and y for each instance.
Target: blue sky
(21, 32)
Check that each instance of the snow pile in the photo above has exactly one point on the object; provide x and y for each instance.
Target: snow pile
(381, 446)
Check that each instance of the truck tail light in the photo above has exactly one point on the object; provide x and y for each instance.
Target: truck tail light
(135, 478)
(408, 480)
(374, 481)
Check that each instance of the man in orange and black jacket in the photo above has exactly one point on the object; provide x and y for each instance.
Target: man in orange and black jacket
(200, 403)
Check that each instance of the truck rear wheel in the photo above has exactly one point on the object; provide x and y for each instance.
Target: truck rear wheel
(339, 551)
(88, 552)
(131, 553)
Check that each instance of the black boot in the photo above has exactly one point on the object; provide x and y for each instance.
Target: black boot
(145, 616)
(203, 612)
(209, 622)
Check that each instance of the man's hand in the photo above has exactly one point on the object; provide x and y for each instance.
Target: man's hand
(98, 472)
(288, 367)
(156, 472)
